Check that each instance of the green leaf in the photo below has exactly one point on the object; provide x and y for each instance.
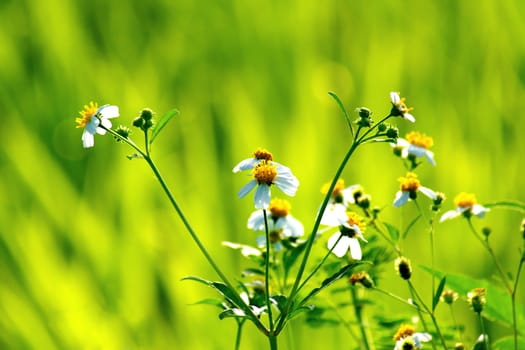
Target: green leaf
(439, 290)
(338, 275)
(510, 205)
(393, 231)
(290, 256)
(508, 343)
(161, 123)
(498, 307)
(196, 279)
(210, 301)
(343, 109)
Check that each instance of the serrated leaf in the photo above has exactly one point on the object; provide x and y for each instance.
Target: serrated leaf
(498, 307)
(162, 123)
(392, 231)
(439, 290)
(511, 205)
(328, 281)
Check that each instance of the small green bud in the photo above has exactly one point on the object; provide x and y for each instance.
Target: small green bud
(392, 132)
(123, 131)
(486, 231)
(146, 114)
(522, 228)
(364, 112)
(148, 123)
(381, 127)
(459, 346)
(138, 122)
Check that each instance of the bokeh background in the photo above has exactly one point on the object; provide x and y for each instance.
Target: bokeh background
(91, 254)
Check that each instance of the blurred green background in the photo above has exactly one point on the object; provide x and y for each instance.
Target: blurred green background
(92, 256)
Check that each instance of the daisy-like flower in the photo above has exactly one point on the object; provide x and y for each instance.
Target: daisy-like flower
(340, 199)
(265, 173)
(407, 339)
(410, 185)
(281, 224)
(351, 227)
(94, 119)
(467, 206)
(415, 145)
(259, 155)
(399, 108)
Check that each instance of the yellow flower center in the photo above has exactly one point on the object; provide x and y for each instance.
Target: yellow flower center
(265, 172)
(465, 200)
(404, 330)
(420, 140)
(355, 219)
(339, 186)
(262, 153)
(279, 207)
(410, 183)
(86, 114)
(402, 107)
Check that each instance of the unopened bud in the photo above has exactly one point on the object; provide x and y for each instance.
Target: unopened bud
(403, 267)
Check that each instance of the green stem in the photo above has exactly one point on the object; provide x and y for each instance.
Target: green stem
(238, 335)
(267, 272)
(485, 243)
(430, 313)
(190, 230)
(309, 243)
(513, 299)
(360, 315)
(398, 298)
(456, 325)
(273, 341)
(483, 332)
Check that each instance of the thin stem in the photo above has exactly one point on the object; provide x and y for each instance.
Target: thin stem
(360, 315)
(190, 230)
(485, 243)
(483, 332)
(267, 272)
(432, 256)
(456, 325)
(238, 335)
(414, 294)
(273, 341)
(345, 323)
(430, 313)
(398, 298)
(513, 299)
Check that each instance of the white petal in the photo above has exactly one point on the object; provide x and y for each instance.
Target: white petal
(416, 150)
(262, 196)
(421, 337)
(108, 111)
(429, 155)
(292, 227)
(261, 241)
(256, 221)
(427, 192)
(479, 210)
(451, 214)
(401, 198)
(88, 140)
(287, 184)
(106, 123)
(246, 164)
(247, 188)
(341, 248)
(355, 249)
(409, 117)
(394, 97)
(334, 214)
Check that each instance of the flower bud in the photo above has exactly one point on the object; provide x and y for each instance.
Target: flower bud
(363, 278)
(486, 231)
(148, 123)
(477, 298)
(449, 296)
(459, 346)
(364, 201)
(138, 122)
(522, 228)
(122, 131)
(403, 267)
(364, 112)
(392, 132)
(381, 127)
(146, 114)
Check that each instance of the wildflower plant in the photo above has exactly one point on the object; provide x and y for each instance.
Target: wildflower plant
(297, 272)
